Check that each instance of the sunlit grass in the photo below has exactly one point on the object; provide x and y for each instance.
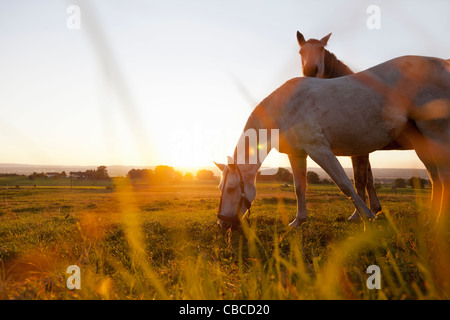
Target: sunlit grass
(162, 242)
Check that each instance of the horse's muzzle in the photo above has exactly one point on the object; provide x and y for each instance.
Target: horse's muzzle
(225, 225)
(228, 223)
(310, 71)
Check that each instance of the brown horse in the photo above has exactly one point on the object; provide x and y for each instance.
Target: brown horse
(318, 62)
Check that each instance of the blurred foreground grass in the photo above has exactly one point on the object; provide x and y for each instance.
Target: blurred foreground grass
(162, 242)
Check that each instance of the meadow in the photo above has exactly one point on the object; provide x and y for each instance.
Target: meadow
(162, 242)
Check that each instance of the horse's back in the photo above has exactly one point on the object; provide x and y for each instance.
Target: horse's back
(369, 108)
(413, 68)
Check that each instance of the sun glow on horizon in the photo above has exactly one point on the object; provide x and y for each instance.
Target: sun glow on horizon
(138, 91)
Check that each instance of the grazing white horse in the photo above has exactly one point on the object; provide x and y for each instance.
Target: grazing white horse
(405, 99)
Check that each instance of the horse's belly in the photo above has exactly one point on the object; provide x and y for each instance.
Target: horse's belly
(357, 146)
(362, 132)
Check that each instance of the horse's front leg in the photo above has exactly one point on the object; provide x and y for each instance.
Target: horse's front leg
(298, 164)
(324, 157)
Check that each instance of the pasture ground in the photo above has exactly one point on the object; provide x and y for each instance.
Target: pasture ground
(162, 242)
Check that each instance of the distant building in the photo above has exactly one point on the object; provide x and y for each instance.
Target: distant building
(52, 174)
(78, 175)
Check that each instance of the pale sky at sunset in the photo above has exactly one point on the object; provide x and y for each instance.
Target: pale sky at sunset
(173, 82)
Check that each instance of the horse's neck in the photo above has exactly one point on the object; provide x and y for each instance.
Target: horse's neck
(249, 171)
(334, 68)
(251, 157)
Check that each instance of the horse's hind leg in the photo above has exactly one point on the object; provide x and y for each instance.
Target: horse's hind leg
(441, 155)
(444, 213)
(440, 177)
(436, 160)
(324, 157)
(436, 184)
(375, 204)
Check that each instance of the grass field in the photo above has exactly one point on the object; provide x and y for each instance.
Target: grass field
(162, 242)
(24, 181)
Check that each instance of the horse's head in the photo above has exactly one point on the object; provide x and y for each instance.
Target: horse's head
(236, 196)
(313, 54)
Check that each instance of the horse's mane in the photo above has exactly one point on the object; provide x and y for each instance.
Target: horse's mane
(334, 67)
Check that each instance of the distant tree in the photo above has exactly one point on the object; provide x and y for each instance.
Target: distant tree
(132, 174)
(146, 174)
(36, 175)
(417, 182)
(326, 181)
(165, 174)
(88, 174)
(188, 177)
(400, 183)
(177, 177)
(205, 175)
(160, 175)
(282, 175)
(101, 173)
(312, 177)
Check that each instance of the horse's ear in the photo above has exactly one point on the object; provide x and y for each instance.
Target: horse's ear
(300, 39)
(230, 160)
(220, 166)
(324, 40)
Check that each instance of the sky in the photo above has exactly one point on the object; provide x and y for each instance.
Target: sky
(173, 82)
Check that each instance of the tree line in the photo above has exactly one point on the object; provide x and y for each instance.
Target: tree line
(101, 173)
(413, 182)
(168, 175)
(164, 174)
(284, 175)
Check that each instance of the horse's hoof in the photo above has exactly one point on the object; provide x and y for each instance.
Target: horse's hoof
(298, 222)
(380, 216)
(355, 218)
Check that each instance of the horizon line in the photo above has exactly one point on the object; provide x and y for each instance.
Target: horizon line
(174, 166)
